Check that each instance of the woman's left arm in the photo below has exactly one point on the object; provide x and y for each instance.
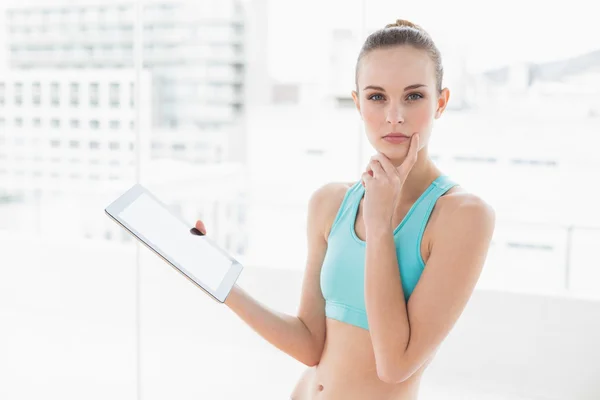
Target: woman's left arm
(405, 336)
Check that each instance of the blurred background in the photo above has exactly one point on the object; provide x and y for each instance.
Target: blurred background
(234, 112)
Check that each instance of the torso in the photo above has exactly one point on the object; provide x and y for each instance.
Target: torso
(347, 375)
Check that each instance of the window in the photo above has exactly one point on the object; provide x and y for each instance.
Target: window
(19, 94)
(74, 94)
(548, 163)
(115, 124)
(114, 95)
(114, 145)
(55, 143)
(19, 122)
(490, 160)
(36, 93)
(94, 94)
(131, 94)
(94, 124)
(2, 93)
(74, 123)
(37, 122)
(55, 123)
(74, 144)
(530, 246)
(54, 94)
(94, 146)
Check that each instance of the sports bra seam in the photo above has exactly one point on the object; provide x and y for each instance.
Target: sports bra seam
(432, 202)
(342, 208)
(343, 305)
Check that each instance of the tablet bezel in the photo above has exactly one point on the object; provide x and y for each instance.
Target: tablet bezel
(123, 201)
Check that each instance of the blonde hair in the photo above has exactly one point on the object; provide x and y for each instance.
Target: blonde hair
(404, 22)
(403, 33)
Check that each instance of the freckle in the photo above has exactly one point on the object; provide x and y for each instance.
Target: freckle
(320, 387)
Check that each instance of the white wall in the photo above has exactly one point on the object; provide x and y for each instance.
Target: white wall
(540, 346)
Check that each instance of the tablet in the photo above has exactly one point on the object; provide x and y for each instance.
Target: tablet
(198, 258)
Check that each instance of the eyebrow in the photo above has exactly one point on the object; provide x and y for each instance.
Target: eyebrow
(415, 86)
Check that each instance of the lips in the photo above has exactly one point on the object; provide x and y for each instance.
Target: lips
(396, 134)
(396, 138)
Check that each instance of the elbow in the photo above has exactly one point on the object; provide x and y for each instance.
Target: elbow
(315, 355)
(308, 359)
(312, 361)
(393, 376)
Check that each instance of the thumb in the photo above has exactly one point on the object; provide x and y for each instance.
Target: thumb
(200, 226)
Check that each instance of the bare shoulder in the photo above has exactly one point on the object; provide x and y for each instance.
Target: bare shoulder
(325, 202)
(459, 206)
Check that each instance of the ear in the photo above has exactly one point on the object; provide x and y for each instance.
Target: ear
(356, 101)
(442, 102)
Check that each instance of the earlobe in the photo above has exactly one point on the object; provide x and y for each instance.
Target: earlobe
(442, 102)
(356, 100)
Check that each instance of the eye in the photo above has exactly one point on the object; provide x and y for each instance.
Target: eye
(375, 95)
(417, 96)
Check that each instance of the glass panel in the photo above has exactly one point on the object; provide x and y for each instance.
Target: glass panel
(67, 272)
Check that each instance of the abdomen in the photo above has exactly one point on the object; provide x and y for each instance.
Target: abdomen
(347, 370)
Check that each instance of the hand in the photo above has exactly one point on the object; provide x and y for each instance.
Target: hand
(200, 229)
(383, 183)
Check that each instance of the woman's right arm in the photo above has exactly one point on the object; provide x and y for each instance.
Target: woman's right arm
(301, 336)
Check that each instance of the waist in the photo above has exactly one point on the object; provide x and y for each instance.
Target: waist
(347, 368)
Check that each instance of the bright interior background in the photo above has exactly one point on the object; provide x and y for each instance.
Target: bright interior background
(234, 112)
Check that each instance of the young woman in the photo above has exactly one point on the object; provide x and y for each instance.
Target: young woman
(394, 257)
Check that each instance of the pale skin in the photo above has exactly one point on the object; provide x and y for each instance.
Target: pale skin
(387, 361)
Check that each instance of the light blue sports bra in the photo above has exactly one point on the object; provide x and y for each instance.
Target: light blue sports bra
(342, 273)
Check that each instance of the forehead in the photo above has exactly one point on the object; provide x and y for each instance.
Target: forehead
(396, 68)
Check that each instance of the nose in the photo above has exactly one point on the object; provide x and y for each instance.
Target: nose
(395, 114)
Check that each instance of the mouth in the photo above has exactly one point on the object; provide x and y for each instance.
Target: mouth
(396, 135)
(396, 138)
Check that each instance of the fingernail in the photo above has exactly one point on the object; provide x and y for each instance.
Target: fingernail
(195, 231)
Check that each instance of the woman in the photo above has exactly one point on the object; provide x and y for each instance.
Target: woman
(393, 258)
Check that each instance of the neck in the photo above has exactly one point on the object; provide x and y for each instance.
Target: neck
(419, 178)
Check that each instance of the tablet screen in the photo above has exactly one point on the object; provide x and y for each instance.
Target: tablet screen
(195, 256)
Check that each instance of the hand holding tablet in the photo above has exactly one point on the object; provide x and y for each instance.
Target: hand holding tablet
(189, 251)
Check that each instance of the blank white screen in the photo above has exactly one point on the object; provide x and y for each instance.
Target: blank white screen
(198, 258)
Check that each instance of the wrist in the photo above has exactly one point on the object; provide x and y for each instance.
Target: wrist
(379, 231)
(233, 295)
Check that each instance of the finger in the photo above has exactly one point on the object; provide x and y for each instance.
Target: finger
(366, 178)
(377, 169)
(368, 169)
(200, 226)
(385, 163)
(411, 157)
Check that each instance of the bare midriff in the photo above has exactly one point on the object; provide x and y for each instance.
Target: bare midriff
(347, 370)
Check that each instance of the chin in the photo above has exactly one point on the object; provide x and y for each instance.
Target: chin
(395, 156)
